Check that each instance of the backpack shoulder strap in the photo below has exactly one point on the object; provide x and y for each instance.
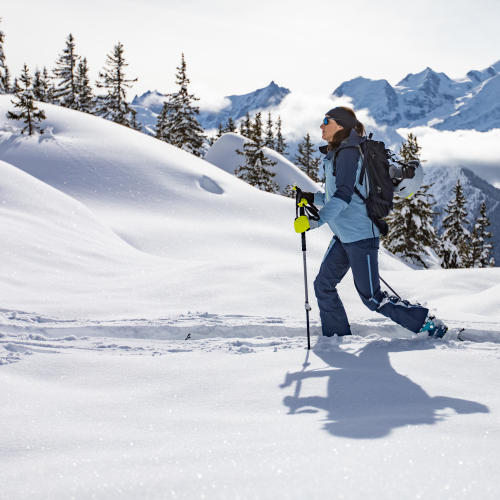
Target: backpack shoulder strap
(363, 166)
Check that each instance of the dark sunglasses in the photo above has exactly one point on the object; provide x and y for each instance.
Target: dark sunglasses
(326, 119)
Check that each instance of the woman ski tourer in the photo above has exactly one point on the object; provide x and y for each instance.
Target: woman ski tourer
(356, 238)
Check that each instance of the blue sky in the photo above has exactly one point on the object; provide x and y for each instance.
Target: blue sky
(234, 47)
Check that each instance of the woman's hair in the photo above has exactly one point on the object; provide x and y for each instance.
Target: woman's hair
(345, 132)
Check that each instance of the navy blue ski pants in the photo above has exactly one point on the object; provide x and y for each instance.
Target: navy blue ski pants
(362, 257)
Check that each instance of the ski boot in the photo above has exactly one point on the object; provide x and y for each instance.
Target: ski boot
(435, 327)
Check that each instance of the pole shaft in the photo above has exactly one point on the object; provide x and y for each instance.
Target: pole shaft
(307, 306)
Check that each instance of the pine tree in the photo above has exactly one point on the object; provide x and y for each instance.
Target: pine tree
(65, 73)
(220, 131)
(281, 145)
(410, 150)
(37, 87)
(269, 142)
(480, 247)
(4, 71)
(454, 244)
(133, 120)
(84, 95)
(180, 124)
(15, 87)
(42, 87)
(230, 125)
(305, 158)
(256, 169)
(162, 129)
(113, 106)
(411, 233)
(246, 127)
(6, 81)
(24, 100)
(256, 128)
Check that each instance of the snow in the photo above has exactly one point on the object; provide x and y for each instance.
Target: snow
(223, 154)
(152, 340)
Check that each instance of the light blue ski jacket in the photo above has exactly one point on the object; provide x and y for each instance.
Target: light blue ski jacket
(342, 209)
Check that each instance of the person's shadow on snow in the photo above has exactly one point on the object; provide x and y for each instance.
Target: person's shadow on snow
(366, 397)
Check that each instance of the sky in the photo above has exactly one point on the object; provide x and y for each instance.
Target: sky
(235, 47)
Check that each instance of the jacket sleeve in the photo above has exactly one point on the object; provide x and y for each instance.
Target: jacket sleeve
(319, 198)
(346, 168)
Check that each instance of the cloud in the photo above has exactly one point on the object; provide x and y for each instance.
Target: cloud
(478, 151)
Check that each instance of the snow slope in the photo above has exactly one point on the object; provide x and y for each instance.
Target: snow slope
(223, 154)
(208, 227)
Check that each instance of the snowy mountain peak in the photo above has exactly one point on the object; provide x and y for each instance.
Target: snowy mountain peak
(240, 105)
(149, 104)
(427, 79)
(151, 99)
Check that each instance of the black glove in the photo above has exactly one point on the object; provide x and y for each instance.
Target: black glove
(308, 196)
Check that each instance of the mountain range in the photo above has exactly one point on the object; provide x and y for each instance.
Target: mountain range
(431, 98)
(426, 98)
(149, 104)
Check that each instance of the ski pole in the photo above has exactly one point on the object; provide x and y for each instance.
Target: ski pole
(390, 288)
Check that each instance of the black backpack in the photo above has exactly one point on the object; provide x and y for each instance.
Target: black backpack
(377, 160)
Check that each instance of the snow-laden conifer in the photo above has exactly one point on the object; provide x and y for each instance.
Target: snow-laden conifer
(178, 123)
(305, 158)
(220, 131)
(257, 169)
(281, 145)
(43, 89)
(246, 126)
(454, 249)
(65, 75)
(269, 137)
(230, 125)
(412, 235)
(25, 102)
(113, 105)
(163, 123)
(480, 246)
(84, 94)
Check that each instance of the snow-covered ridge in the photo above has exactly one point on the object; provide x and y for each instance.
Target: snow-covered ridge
(430, 98)
(149, 104)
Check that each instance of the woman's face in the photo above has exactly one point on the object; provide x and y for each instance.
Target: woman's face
(330, 130)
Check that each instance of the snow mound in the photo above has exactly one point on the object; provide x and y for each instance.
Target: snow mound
(223, 154)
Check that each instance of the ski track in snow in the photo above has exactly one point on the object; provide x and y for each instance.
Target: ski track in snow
(23, 334)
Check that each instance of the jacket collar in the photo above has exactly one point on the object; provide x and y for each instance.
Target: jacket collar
(353, 140)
